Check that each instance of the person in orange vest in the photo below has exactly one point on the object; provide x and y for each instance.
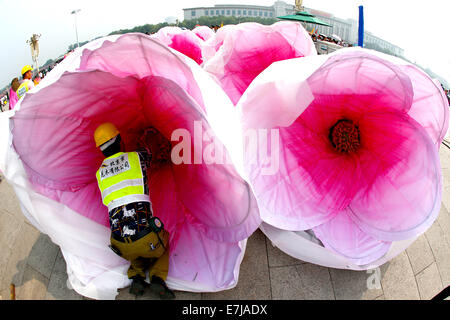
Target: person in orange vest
(27, 84)
(136, 235)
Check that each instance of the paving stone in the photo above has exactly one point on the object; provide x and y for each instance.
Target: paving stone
(278, 258)
(446, 175)
(380, 297)
(5, 294)
(13, 273)
(446, 193)
(444, 221)
(441, 251)
(397, 279)
(429, 282)
(420, 254)
(43, 255)
(444, 155)
(34, 285)
(148, 295)
(353, 285)
(9, 228)
(179, 295)
(286, 283)
(253, 281)
(57, 286)
(302, 282)
(317, 280)
(124, 294)
(5, 253)
(183, 295)
(9, 201)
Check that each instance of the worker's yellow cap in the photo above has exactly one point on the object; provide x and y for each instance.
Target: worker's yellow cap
(104, 133)
(26, 69)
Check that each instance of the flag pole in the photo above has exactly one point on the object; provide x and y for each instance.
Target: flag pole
(361, 27)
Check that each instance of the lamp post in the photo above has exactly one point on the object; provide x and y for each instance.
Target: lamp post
(76, 31)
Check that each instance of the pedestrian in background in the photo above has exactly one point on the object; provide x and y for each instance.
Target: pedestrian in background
(13, 98)
(36, 80)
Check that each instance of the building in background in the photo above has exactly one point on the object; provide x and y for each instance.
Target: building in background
(232, 10)
(371, 41)
(346, 29)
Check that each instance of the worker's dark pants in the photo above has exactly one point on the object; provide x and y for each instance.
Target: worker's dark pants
(142, 257)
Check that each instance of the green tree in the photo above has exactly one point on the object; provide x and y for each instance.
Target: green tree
(218, 20)
(73, 46)
(49, 61)
(203, 21)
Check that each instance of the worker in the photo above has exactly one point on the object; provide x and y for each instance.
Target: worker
(136, 235)
(27, 84)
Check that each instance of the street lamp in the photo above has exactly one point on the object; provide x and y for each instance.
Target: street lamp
(76, 31)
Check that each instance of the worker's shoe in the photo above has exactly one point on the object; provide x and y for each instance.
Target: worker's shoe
(138, 286)
(159, 287)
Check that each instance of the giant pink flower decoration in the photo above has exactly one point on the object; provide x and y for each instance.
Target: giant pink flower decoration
(203, 32)
(359, 134)
(144, 88)
(241, 52)
(185, 41)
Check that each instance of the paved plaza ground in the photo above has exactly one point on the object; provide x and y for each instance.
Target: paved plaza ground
(30, 261)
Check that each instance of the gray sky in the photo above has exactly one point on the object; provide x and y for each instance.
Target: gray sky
(419, 27)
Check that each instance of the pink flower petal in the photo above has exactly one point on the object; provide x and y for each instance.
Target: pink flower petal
(203, 32)
(57, 148)
(297, 36)
(287, 196)
(245, 50)
(359, 73)
(430, 105)
(315, 181)
(200, 260)
(184, 41)
(228, 210)
(165, 202)
(404, 178)
(343, 236)
(140, 56)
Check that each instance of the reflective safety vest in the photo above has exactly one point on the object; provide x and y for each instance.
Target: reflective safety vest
(121, 181)
(23, 88)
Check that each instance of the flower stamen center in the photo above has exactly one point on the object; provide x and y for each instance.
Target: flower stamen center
(160, 146)
(344, 136)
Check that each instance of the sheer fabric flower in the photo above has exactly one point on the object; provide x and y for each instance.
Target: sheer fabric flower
(241, 52)
(207, 207)
(203, 32)
(184, 41)
(359, 133)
